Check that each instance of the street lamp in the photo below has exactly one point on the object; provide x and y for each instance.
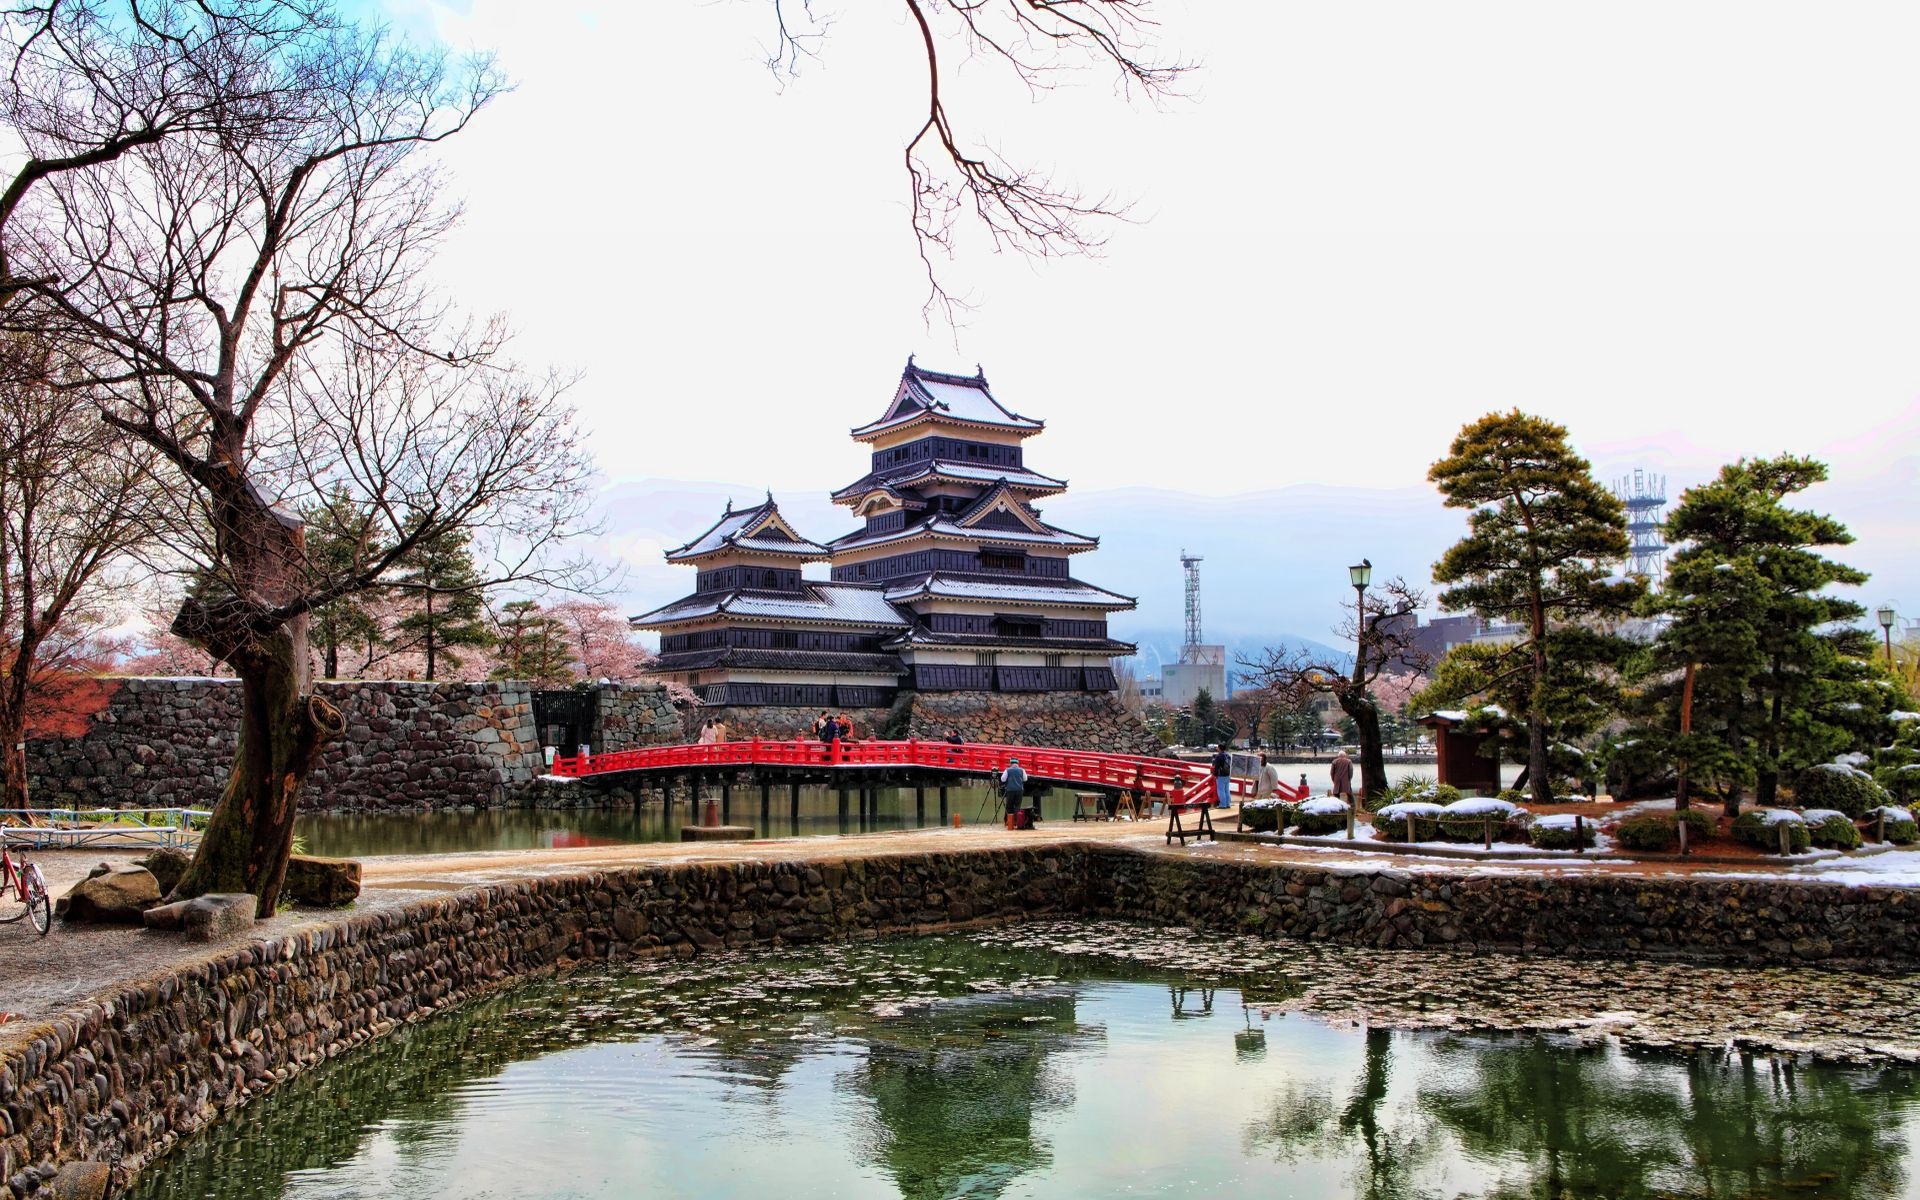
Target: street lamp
(1886, 628)
(1362, 574)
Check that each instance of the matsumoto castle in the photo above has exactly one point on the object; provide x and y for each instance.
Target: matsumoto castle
(952, 583)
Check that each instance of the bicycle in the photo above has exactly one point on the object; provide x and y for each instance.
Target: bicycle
(29, 886)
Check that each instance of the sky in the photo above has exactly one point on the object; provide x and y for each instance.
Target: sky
(1687, 232)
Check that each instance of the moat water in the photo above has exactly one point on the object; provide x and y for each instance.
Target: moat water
(961, 1067)
(360, 834)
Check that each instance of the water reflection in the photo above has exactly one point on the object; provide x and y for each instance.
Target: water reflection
(953, 1067)
(819, 813)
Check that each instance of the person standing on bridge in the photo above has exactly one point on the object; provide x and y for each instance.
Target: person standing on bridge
(1269, 781)
(706, 732)
(1013, 785)
(1222, 776)
(1342, 774)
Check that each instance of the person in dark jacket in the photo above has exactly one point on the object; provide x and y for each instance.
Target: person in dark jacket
(1341, 773)
(1222, 777)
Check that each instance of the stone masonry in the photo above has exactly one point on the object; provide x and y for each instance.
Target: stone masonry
(169, 743)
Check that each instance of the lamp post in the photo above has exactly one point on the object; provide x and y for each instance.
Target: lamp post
(1885, 614)
(1361, 573)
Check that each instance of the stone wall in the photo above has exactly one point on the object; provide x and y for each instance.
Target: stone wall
(634, 714)
(1077, 720)
(169, 743)
(781, 724)
(126, 1075)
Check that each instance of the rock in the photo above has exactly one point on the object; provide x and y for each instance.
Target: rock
(168, 864)
(81, 1181)
(166, 918)
(117, 896)
(322, 882)
(218, 915)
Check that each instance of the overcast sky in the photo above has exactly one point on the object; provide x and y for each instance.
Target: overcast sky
(1688, 232)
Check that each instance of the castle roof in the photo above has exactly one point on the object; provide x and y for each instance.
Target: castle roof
(998, 517)
(915, 474)
(925, 395)
(758, 530)
(1067, 593)
(824, 603)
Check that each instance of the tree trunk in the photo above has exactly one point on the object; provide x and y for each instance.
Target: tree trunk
(429, 635)
(1373, 760)
(332, 666)
(13, 760)
(1537, 775)
(282, 730)
(282, 726)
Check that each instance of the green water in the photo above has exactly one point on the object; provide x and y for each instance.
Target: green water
(358, 834)
(955, 1067)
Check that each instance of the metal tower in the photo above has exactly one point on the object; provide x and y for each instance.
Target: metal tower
(1646, 499)
(1190, 651)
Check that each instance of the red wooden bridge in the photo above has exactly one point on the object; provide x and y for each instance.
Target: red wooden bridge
(1166, 778)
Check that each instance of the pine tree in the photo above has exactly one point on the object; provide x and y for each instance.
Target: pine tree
(1781, 680)
(531, 644)
(1540, 552)
(442, 587)
(340, 537)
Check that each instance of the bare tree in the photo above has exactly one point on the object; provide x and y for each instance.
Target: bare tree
(1384, 649)
(70, 495)
(953, 178)
(246, 299)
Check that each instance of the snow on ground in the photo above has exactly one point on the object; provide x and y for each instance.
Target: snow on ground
(1893, 868)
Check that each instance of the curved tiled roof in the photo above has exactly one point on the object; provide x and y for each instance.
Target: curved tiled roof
(828, 603)
(747, 530)
(925, 394)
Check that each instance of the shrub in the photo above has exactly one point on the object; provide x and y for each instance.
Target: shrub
(1760, 827)
(1650, 831)
(1661, 830)
(1825, 827)
(1390, 823)
(1266, 816)
(1465, 820)
(1557, 832)
(1325, 815)
(1420, 790)
(1839, 786)
(1700, 824)
(1513, 795)
(1901, 829)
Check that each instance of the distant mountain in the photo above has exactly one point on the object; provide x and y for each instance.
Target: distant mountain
(1275, 566)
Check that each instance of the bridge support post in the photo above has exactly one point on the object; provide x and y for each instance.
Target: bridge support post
(766, 805)
(726, 800)
(843, 808)
(793, 803)
(943, 804)
(919, 804)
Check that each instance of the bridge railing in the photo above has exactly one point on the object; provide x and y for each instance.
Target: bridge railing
(1154, 776)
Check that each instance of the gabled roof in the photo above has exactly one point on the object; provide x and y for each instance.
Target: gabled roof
(1000, 499)
(914, 474)
(1063, 592)
(946, 527)
(826, 603)
(757, 530)
(937, 395)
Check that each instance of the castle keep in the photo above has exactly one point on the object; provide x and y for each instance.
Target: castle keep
(952, 583)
